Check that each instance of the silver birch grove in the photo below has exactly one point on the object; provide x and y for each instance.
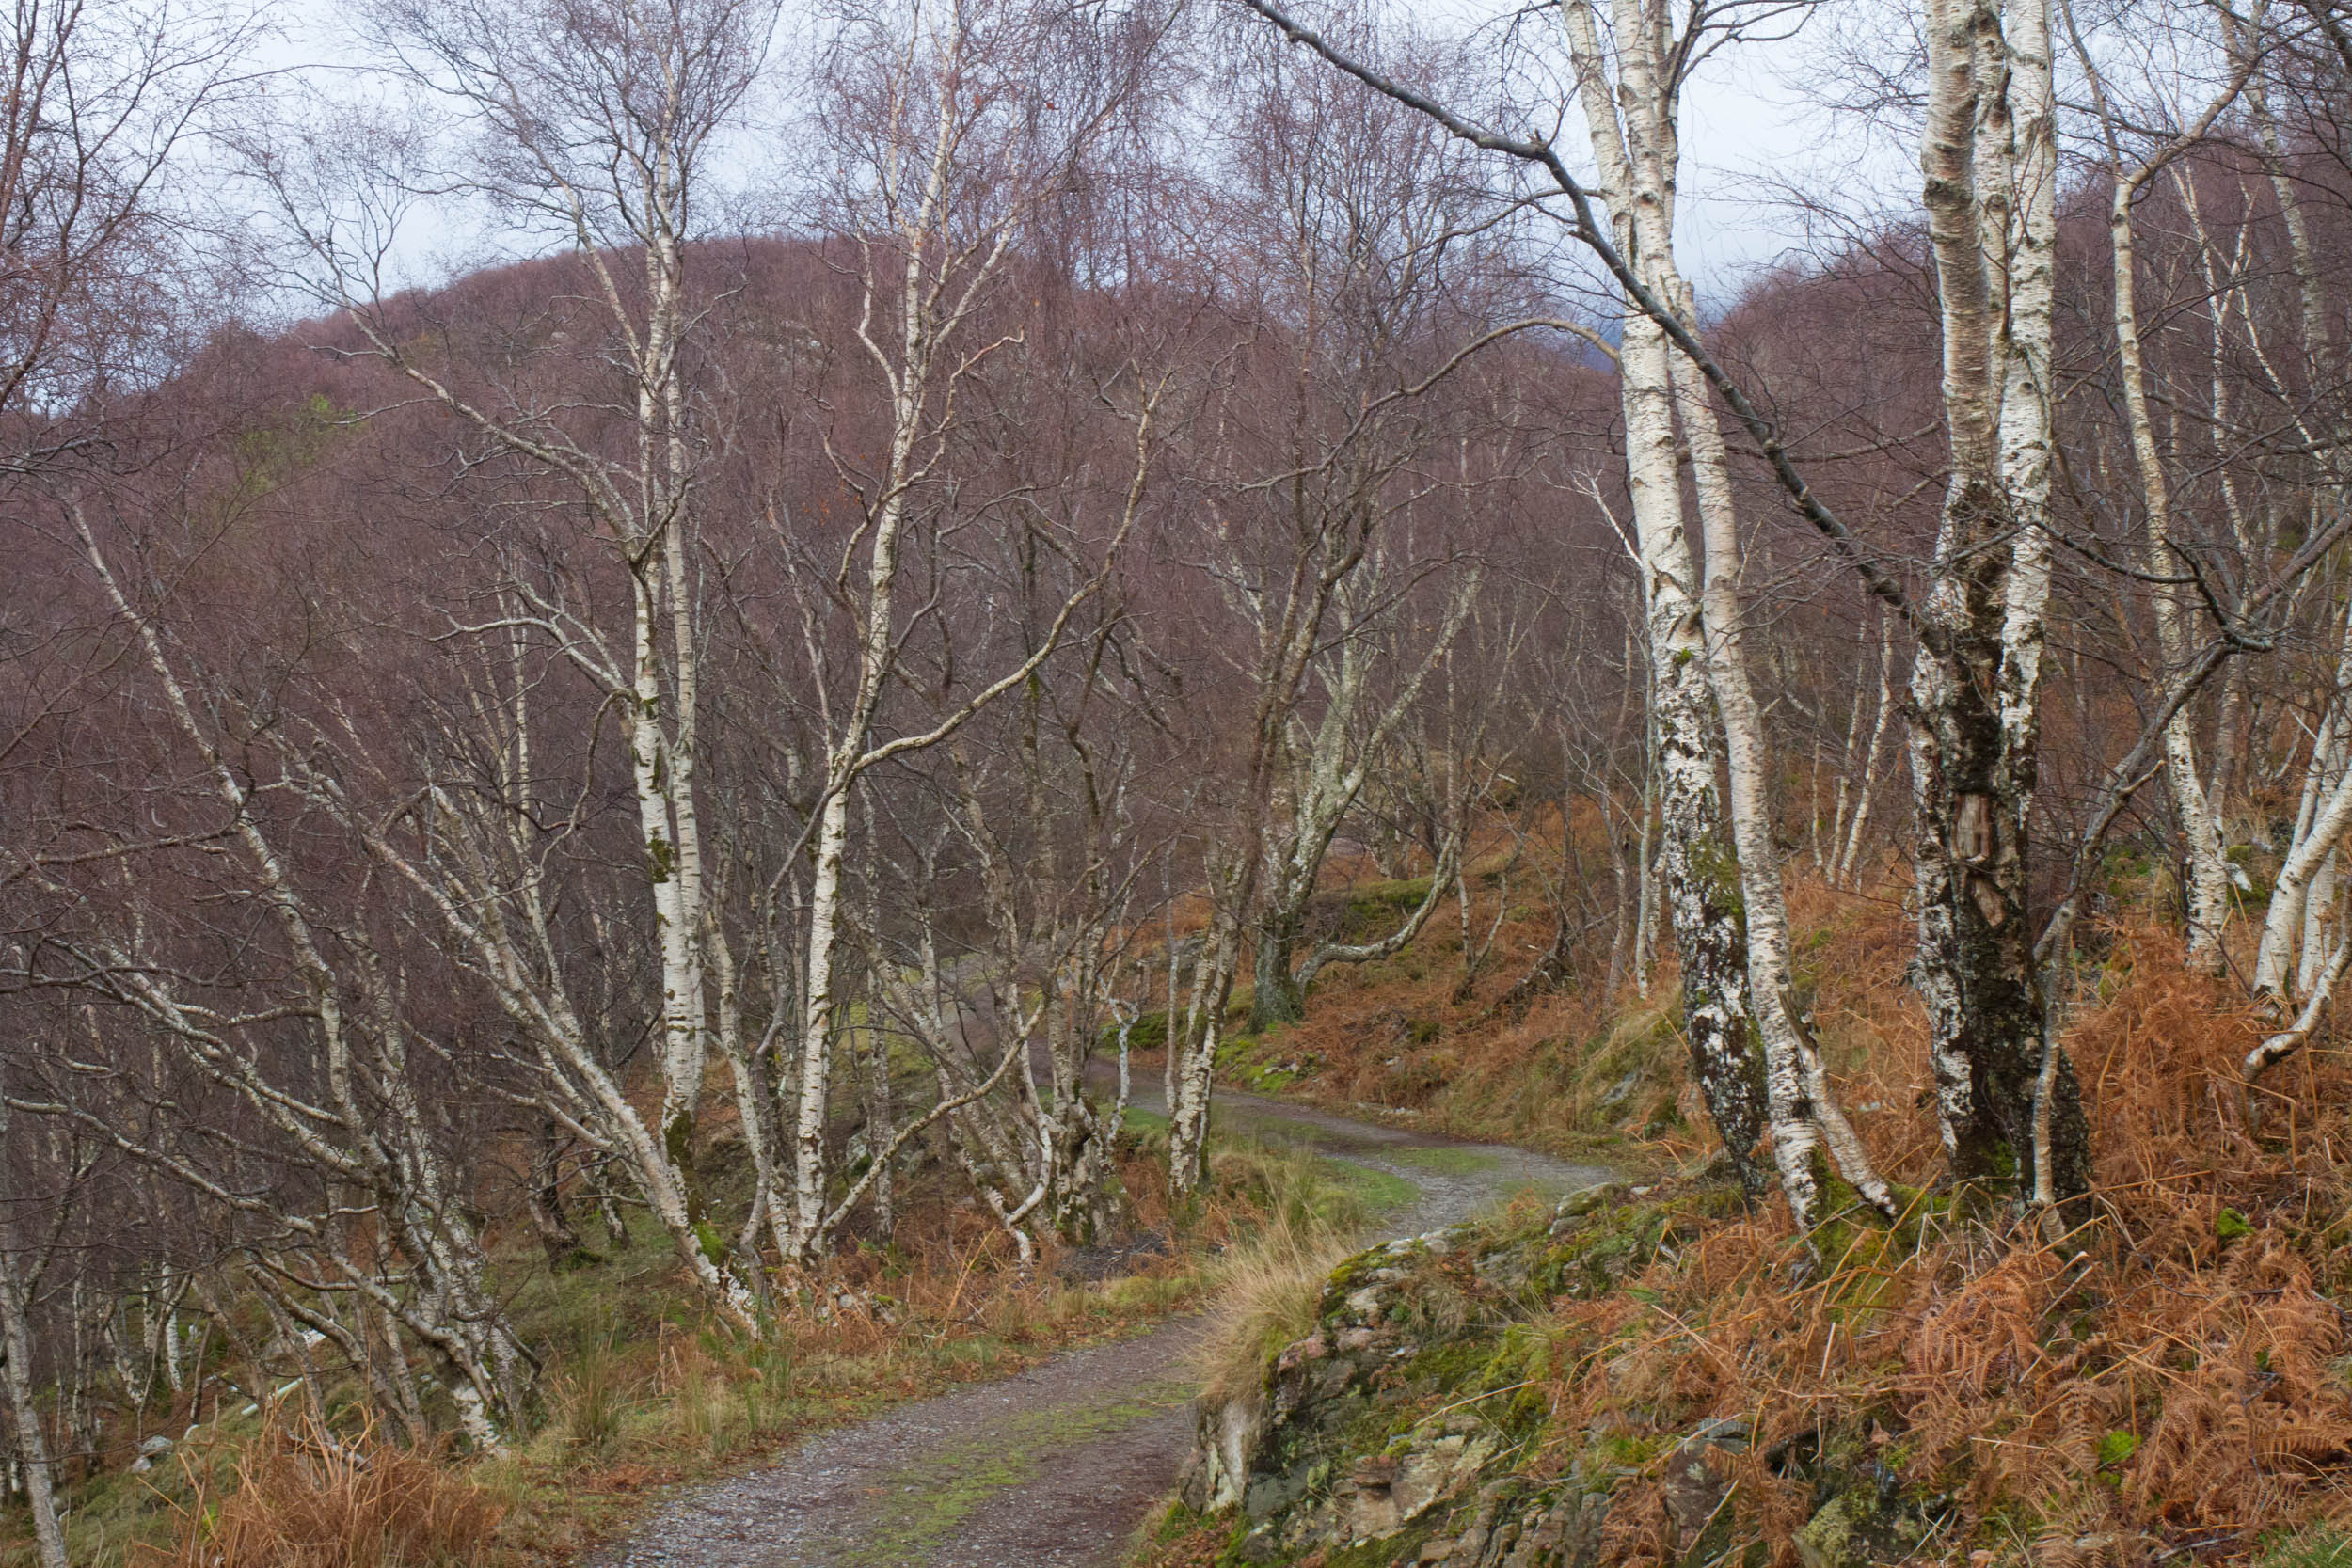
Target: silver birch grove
(935, 206)
(603, 115)
(368, 1133)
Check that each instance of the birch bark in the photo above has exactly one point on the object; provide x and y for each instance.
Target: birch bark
(16, 1367)
(1741, 943)
(2208, 880)
(1848, 866)
(1807, 1123)
(2007, 1107)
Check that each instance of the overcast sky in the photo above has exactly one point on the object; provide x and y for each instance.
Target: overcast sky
(1748, 131)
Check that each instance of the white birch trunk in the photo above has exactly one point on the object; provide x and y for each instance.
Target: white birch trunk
(25, 1416)
(2282, 926)
(1849, 863)
(2208, 880)
(2007, 1107)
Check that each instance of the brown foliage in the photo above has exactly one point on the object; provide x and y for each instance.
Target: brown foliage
(2170, 1374)
(304, 1499)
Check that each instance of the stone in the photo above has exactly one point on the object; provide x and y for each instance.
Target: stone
(1390, 1491)
(1833, 1538)
(1268, 1494)
(1263, 1544)
(1728, 1432)
(1585, 1200)
(1299, 1351)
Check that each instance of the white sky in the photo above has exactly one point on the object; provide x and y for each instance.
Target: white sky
(1745, 128)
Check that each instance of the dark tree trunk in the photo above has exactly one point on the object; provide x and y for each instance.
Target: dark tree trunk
(1976, 971)
(1275, 996)
(544, 1196)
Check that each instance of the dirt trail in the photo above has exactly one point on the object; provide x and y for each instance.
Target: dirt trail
(1053, 1469)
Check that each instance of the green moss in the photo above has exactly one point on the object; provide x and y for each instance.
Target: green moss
(1379, 1192)
(1715, 865)
(1147, 1033)
(923, 1506)
(1447, 1161)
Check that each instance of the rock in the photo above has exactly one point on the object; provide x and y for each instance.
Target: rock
(1832, 1538)
(1263, 1544)
(1694, 1492)
(1299, 1351)
(1227, 1437)
(1696, 1489)
(1585, 1200)
(153, 1446)
(1269, 1495)
(1385, 1494)
(1728, 1432)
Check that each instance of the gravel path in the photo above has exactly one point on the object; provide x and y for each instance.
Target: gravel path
(1054, 1467)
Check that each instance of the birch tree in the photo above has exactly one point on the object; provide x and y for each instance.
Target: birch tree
(2006, 1104)
(2208, 878)
(593, 128)
(30, 1441)
(1723, 887)
(1349, 220)
(951, 150)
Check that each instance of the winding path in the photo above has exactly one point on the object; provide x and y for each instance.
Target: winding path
(1057, 1467)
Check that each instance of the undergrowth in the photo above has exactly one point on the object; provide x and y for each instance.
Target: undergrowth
(2167, 1383)
(2165, 1380)
(298, 1496)
(1267, 1285)
(641, 1390)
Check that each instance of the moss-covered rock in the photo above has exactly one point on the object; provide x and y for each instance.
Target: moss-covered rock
(1393, 1430)
(1415, 1423)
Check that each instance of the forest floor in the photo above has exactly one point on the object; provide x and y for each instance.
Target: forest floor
(1055, 1466)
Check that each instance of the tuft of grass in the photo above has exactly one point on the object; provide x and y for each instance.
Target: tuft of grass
(301, 1498)
(1272, 1290)
(1270, 1286)
(589, 1404)
(2321, 1546)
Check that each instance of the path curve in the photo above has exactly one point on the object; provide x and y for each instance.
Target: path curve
(1053, 1467)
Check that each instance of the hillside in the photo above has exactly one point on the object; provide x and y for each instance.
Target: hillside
(1651, 1373)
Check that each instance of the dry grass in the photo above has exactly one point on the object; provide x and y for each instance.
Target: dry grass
(1270, 1284)
(299, 1498)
